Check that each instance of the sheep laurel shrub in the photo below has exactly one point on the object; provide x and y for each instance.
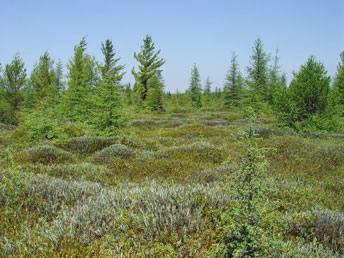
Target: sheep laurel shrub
(44, 154)
(324, 225)
(87, 144)
(113, 151)
(5, 127)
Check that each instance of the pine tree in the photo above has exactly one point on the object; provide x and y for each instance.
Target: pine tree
(13, 83)
(109, 91)
(82, 77)
(258, 73)
(195, 89)
(43, 78)
(233, 84)
(149, 66)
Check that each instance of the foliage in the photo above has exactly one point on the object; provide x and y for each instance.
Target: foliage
(87, 144)
(154, 100)
(195, 88)
(12, 93)
(44, 80)
(149, 66)
(44, 154)
(233, 84)
(242, 230)
(82, 78)
(108, 99)
(257, 70)
(306, 101)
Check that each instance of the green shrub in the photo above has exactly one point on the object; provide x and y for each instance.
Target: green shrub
(45, 155)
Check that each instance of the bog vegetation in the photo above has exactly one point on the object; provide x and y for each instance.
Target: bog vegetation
(93, 167)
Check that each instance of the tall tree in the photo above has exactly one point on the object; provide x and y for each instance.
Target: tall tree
(195, 89)
(149, 65)
(257, 71)
(11, 95)
(276, 81)
(233, 84)
(207, 86)
(82, 79)
(108, 97)
(43, 78)
(154, 100)
(60, 84)
(306, 99)
(338, 85)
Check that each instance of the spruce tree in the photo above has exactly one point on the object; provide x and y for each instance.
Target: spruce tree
(233, 84)
(82, 79)
(306, 103)
(149, 66)
(195, 89)
(108, 97)
(257, 70)
(60, 84)
(207, 86)
(310, 89)
(43, 78)
(338, 85)
(154, 100)
(12, 93)
(276, 82)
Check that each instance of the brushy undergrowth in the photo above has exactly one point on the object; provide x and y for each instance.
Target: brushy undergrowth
(44, 154)
(164, 188)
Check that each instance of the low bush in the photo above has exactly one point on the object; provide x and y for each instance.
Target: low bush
(324, 225)
(87, 144)
(113, 151)
(44, 154)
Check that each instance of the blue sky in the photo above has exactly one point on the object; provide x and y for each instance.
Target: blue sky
(189, 31)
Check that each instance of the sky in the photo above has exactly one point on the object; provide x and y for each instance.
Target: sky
(186, 31)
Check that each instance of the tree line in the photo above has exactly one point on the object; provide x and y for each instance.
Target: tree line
(93, 93)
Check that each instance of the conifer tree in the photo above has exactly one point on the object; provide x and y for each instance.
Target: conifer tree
(305, 104)
(108, 97)
(242, 229)
(310, 89)
(12, 89)
(257, 71)
(60, 84)
(338, 85)
(154, 100)
(149, 66)
(43, 78)
(195, 89)
(233, 84)
(207, 86)
(276, 81)
(82, 79)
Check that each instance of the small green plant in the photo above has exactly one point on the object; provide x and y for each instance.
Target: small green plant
(242, 220)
